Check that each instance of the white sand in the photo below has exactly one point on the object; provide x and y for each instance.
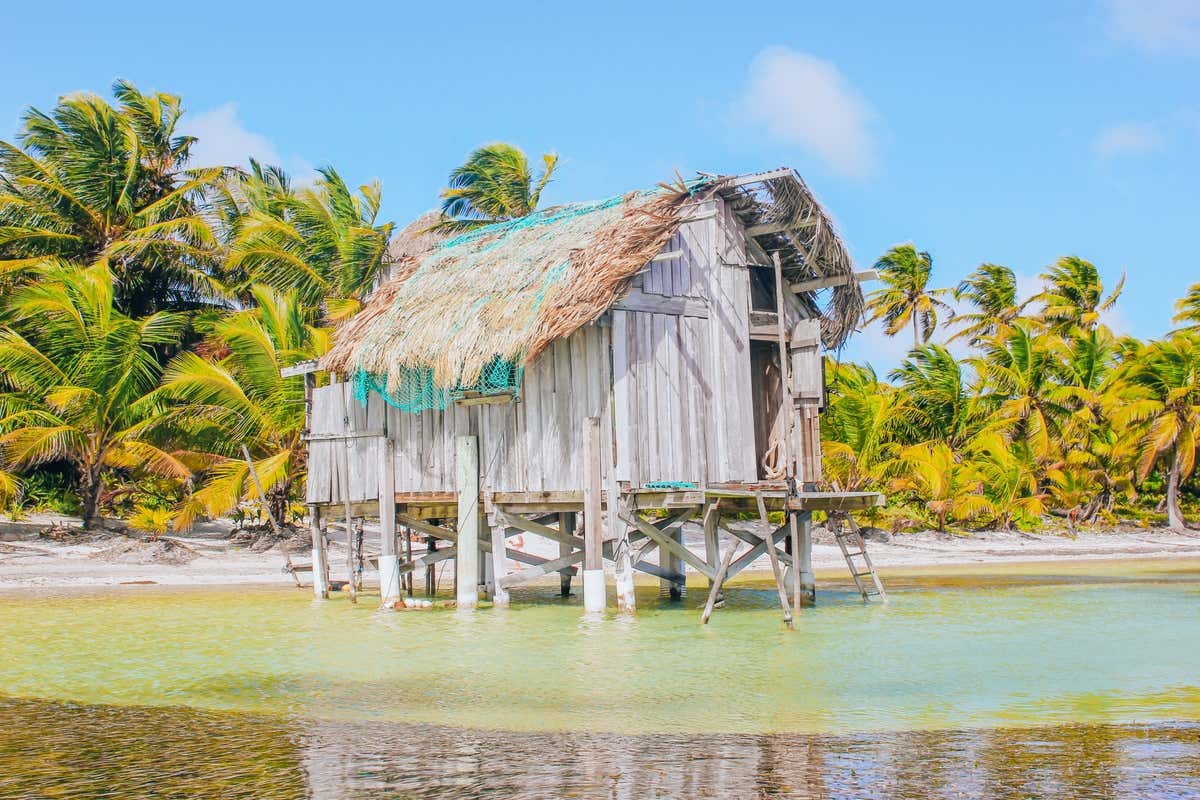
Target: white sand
(31, 563)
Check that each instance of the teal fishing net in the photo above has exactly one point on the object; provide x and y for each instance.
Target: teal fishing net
(416, 391)
(670, 485)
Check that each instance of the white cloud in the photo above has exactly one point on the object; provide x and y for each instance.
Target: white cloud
(1128, 139)
(223, 140)
(805, 101)
(1157, 26)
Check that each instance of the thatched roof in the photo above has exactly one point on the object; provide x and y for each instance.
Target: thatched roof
(455, 304)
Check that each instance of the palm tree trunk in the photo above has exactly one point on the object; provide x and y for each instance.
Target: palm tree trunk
(916, 333)
(90, 486)
(1175, 519)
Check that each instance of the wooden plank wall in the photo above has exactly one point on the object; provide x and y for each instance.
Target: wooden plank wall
(683, 404)
(332, 406)
(531, 445)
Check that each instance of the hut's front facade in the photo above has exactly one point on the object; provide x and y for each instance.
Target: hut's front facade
(660, 350)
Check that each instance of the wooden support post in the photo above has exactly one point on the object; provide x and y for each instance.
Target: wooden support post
(788, 409)
(466, 562)
(484, 560)
(320, 563)
(566, 526)
(389, 561)
(715, 590)
(499, 564)
(430, 570)
(712, 543)
(593, 533)
(802, 562)
(795, 568)
(670, 561)
(774, 556)
(345, 490)
(620, 503)
(408, 577)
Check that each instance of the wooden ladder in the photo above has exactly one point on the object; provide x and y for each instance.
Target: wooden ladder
(854, 547)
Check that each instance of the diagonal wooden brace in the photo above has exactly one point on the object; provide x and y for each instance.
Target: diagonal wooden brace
(667, 544)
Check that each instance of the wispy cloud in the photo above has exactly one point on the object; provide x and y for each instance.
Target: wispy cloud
(1156, 26)
(801, 100)
(1128, 139)
(223, 140)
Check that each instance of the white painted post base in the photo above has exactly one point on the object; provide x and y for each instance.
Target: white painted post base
(466, 562)
(389, 578)
(593, 591)
(808, 581)
(319, 571)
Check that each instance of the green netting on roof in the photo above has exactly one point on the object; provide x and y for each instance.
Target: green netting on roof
(416, 391)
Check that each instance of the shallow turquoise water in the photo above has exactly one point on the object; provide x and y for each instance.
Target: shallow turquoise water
(1078, 682)
(985, 654)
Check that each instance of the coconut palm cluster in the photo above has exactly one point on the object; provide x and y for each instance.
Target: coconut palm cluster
(147, 306)
(1029, 409)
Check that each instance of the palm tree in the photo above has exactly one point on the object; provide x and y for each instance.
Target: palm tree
(939, 390)
(1010, 482)
(78, 382)
(1164, 402)
(1019, 372)
(861, 427)
(494, 184)
(1188, 309)
(1074, 295)
(321, 242)
(907, 298)
(992, 290)
(239, 398)
(1072, 486)
(91, 182)
(949, 486)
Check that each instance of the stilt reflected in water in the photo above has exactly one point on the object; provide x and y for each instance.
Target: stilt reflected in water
(55, 749)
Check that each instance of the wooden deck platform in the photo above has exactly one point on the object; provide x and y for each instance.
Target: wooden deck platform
(735, 496)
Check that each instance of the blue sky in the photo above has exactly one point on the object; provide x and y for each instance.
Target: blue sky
(1012, 133)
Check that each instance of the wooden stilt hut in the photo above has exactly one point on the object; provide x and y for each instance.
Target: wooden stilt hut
(634, 363)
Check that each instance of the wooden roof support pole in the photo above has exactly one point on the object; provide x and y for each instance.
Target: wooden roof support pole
(345, 490)
(784, 376)
(594, 593)
(789, 412)
(466, 561)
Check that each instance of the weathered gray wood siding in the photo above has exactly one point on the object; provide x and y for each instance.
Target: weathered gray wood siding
(684, 410)
(530, 445)
(332, 407)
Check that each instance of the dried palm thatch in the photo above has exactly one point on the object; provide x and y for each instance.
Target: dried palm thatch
(782, 214)
(456, 306)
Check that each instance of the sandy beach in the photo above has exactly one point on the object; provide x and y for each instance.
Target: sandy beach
(210, 556)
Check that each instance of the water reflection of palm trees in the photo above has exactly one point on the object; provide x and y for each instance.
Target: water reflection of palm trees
(55, 749)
